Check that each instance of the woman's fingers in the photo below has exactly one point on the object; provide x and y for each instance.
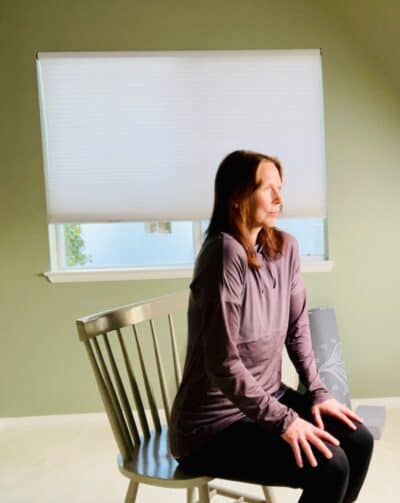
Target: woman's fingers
(297, 454)
(318, 419)
(346, 420)
(326, 436)
(308, 451)
(353, 415)
(321, 446)
(299, 435)
(302, 435)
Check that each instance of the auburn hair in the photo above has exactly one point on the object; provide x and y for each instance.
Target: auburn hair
(235, 181)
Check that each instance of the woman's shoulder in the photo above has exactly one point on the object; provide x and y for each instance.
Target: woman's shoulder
(222, 260)
(231, 246)
(289, 241)
(222, 248)
(224, 243)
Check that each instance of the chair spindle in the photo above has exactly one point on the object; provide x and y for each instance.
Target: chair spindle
(122, 394)
(134, 388)
(105, 395)
(149, 391)
(177, 368)
(161, 373)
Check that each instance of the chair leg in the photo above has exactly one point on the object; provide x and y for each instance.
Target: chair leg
(267, 495)
(191, 495)
(204, 496)
(132, 492)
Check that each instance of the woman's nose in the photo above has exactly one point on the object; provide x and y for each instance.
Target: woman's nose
(277, 197)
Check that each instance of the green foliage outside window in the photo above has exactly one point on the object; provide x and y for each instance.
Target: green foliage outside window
(74, 246)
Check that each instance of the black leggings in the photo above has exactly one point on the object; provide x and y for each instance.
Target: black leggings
(247, 452)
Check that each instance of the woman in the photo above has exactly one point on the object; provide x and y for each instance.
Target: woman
(248, 300)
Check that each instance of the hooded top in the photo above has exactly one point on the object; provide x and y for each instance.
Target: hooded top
(238, 321)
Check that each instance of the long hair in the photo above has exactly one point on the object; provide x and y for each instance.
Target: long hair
(235, 181)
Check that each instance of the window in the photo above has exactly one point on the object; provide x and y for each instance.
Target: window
(131, 143)
(158, 244)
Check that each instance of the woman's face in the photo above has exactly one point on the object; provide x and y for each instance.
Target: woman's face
(265, 201)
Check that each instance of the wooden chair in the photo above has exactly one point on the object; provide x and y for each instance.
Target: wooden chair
(118, 343)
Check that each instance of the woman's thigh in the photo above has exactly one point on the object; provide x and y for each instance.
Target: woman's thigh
(249, 452)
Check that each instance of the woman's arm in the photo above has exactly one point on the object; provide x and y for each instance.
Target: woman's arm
(227, 371)
(298, 340)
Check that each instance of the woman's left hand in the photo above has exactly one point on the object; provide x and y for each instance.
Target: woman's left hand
(333, 407)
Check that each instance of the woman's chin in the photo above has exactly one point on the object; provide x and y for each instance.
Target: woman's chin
(270, 222)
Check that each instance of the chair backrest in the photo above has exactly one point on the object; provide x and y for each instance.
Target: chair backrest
(112, 352)
(122, 340)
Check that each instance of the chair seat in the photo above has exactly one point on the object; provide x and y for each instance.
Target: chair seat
(152, 460)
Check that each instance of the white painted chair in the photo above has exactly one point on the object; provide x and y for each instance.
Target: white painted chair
(118, 347)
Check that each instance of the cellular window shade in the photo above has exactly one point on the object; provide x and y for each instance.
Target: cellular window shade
(138, 136)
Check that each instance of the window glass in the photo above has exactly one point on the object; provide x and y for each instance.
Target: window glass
(129, 245)
(154, 244)
(310, 234)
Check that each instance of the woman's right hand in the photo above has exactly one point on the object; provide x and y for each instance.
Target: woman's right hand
(301, 434)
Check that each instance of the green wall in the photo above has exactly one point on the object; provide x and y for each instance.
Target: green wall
(43, 367)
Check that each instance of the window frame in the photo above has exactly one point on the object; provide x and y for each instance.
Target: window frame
(309, 263)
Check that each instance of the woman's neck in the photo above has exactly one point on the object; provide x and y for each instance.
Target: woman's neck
(252, 235)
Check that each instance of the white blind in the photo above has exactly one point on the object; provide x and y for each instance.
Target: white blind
(138, 136)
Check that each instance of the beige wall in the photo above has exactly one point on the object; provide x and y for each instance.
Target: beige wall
(43, 368)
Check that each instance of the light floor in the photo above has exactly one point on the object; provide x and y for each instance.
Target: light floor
(60, 459)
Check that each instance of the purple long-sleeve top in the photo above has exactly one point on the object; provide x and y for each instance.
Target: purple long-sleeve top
(238, 322)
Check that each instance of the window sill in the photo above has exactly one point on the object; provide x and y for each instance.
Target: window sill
(316, 265)
(128, 274)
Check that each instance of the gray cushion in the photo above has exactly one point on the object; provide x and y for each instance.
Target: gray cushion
(374, 418)
(328, 352)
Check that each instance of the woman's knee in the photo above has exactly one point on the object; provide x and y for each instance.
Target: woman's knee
(363, 438)
(360, 436)
(335, 470)
(328, 481)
